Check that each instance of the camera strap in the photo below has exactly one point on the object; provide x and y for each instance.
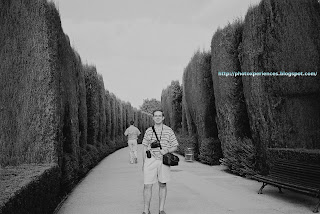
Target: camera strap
(157, 135)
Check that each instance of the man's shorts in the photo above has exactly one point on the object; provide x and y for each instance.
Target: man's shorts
(155, 170)
(133, 144)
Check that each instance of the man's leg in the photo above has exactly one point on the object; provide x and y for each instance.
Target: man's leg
(147, 194)
(135, 153)
(162, 195)
(130, 151)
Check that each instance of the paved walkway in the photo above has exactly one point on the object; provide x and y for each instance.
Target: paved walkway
(115, 187)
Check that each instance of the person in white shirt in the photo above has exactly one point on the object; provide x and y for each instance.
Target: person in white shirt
(132, 132)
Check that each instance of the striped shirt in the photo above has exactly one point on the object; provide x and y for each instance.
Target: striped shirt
(166, 136)
(132, 132)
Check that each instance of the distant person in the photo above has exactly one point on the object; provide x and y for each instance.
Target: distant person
(132, 132)
(153, 169)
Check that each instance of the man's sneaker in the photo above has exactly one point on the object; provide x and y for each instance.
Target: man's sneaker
(162, 212)
(145, 212)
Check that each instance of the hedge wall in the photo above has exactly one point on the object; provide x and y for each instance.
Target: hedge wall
(108, 116)
(184, 123)
(102, 134)
(92, 89)
(27, 97)
(30, 189)
(171, 99)
(282, 36)
(113, 116)
(199, 97)
(232, 117)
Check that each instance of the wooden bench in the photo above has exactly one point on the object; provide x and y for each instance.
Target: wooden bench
(295, 176)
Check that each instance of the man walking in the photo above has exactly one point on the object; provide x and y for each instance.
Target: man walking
(153, 168)
(132, 132)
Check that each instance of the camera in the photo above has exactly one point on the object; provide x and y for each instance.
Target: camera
(148, 154)
(155, 144)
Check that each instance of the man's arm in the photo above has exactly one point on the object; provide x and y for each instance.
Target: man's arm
(145, 141)
(168, 150)
(144, 155)
(173, 149)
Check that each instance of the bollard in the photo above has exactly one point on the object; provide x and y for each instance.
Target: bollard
(189, 154)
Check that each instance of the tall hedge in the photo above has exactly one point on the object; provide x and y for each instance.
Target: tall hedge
(171, 99)
(102, 134)
(82, 116)
(189, 123)
(28, 90)
(232, 117)
(108, 116)
(199, 97)
(124, 120)
(166, 106)
(82, 105)
(113, 117)
(92, 89)
(119, 132)
(184, 124)
(140, 123)
(69, 110)
(282, 36)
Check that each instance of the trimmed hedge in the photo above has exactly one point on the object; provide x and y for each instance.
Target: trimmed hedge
(232, 117)
(166, 106)
(27, 90)
(189, 124)
(239, 156)
(171, 99)
(92, 89)
(311, 156)
(200, 102)
(29, 189)
(113, 117)
(184, 123)
(283, 111)
(102, 134)
(108, 117)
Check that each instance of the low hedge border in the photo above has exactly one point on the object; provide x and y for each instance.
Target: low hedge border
(29, 189)
(305, 155)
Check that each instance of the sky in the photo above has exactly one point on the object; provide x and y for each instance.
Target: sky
(140, 46)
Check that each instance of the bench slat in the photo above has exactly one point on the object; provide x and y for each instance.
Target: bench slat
(311, 179)
(298, 169)
(284, 179)
(283, 184)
